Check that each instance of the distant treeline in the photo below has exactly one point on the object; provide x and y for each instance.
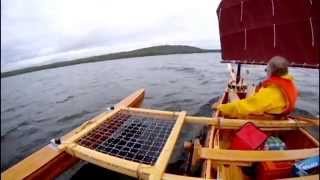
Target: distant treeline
(150, 51)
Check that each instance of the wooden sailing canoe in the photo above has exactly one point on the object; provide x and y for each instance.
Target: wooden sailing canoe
(49, 162)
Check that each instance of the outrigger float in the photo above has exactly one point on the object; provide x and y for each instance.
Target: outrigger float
(139, 142)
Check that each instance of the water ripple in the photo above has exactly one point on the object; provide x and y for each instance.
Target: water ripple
(72, 117)
(65, 100)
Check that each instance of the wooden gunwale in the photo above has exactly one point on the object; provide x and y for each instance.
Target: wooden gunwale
(226, 123)
(51, 162)
(154, 112)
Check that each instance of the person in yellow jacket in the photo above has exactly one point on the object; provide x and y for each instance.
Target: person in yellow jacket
(276, 96)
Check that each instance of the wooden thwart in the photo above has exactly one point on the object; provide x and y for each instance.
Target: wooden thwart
(257, 156)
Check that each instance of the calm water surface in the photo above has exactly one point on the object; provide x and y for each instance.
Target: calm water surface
(39, 106)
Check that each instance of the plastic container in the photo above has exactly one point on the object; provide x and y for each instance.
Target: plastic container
(307, 166)
(274, 170)
(248, 137)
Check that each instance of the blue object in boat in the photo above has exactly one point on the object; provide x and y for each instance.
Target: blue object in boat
(304, 167)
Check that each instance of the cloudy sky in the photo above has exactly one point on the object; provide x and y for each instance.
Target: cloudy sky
(38, 31)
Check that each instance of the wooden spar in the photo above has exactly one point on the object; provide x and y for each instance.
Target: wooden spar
(257, 156)
(230, 123)
(49, 162)
(237, 123)
(154, 111)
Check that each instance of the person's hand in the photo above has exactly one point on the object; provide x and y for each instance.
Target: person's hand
(233, 95)
(215, 105)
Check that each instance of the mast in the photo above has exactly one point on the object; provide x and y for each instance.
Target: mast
(238, 73)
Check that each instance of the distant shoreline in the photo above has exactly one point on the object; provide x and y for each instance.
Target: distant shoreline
(150, 51)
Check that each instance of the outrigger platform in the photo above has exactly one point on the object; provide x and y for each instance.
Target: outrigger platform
(135, 142)
(138, 142)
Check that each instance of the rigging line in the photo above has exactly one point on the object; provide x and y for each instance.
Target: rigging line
(241, 11)
(220, 14)
(272, 7)
(245, 38)
(310, 2)
(274, 35)
(312, 35)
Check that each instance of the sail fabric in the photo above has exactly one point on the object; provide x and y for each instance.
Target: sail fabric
(253, 31)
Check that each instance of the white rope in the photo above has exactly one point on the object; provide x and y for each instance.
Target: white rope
(312, 35)
(241, 11)
(272, 7)
(245, 38)
(274, 35)
(220, 14)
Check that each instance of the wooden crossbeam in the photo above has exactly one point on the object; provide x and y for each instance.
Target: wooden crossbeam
(311, 177)
(227, 123)
(237, 123)
(257, 156)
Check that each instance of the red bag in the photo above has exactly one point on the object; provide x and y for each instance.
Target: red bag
(248, 137)
(274, 170)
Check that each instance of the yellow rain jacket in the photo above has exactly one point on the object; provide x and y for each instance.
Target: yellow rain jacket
(266, 100)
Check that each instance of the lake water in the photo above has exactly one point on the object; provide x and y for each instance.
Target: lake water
(39, 106)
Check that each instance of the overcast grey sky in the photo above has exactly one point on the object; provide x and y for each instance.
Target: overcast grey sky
(36, 31)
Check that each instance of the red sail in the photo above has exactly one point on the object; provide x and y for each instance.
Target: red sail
(253, 31)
